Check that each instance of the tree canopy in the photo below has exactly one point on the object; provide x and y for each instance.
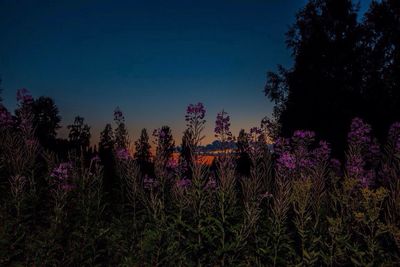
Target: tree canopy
(343, 67)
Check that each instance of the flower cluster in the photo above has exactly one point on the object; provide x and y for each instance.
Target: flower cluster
(62, 177)
(287, 161)
(363, 153)
(299, 154)
(303, 137)
(183, 183)
(195, 114)
(360, 133)
(211, 184)
(222, 127)
(196, 110)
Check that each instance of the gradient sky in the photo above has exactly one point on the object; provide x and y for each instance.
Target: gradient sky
(150, 58)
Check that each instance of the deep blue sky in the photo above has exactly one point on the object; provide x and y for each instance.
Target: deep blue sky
(151, 58)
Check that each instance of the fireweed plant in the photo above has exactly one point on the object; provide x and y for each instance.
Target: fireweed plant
(295, 206)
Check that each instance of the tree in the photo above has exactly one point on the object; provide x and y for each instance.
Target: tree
(381, 81)
(142, 153)
(121, 133)
(165, 143)
(243, 160)
(321, 92)
(106, 142)
(106, 145)
(79, 134)
(46, 120)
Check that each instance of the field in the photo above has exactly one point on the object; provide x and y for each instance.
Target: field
(289, 204)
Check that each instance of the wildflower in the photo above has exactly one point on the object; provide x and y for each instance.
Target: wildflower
(222, 126)
(359, 134)
(196, 111)
(62, 176)
(336, 166)
(183, 183)
(322, 152)
(172, 163)
(211, 184)
(281, 145)
(287, 160)
(122, 154)
(299, 134)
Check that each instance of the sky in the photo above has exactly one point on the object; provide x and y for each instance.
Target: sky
(150, 58)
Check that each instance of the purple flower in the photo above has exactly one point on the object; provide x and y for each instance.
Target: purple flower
(222, 127)
(303, 138)
(62, 176)
(355, 166)
(359, 134)
(281, 145)
(172, 163)
(24, 96)
(183, 183)
(299, 134)
(286, 160)
(195, 113)
(211, 184)
(336, 166)
(122, 154)
(323, 152)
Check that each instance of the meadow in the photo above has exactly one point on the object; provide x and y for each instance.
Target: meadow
(286, 204)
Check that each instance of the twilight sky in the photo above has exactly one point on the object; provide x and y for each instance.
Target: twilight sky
(150, 58)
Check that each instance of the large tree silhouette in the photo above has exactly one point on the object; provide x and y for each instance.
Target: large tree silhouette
(142, 152)
(335, 76)
(46, 120)
(79, 134)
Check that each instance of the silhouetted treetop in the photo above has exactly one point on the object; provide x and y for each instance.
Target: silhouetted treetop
(342, 68)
